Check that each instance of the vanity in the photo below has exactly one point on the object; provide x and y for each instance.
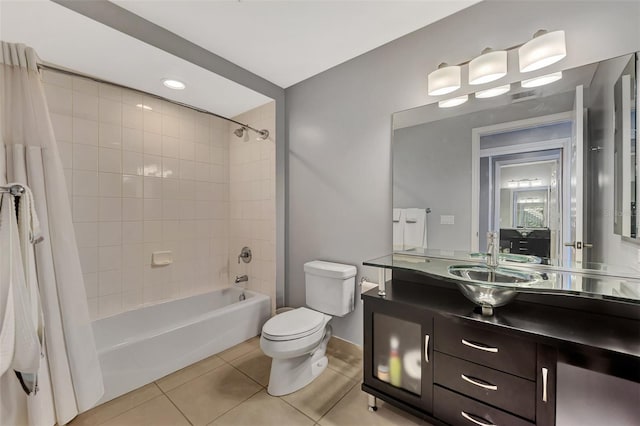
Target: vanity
(461, 367)
(512, 296)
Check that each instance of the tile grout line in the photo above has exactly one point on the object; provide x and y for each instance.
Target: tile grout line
(174, 404)
(127, 410)
(236, 406)
(355, 383)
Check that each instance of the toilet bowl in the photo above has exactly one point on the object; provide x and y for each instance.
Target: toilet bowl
(297, 340)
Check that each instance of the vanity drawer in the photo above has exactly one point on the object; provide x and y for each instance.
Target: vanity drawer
(495, 350)
(456, 409)
(511, 393)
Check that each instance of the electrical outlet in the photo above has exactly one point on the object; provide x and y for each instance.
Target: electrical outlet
(447, 219)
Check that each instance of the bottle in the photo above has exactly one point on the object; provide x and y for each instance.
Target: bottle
(383, 372)
(395, 365)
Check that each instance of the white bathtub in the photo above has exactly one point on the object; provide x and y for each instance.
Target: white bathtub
(140, 346)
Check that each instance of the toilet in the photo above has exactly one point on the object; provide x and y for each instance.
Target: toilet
(297, 339)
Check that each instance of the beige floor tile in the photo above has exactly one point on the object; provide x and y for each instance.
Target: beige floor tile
(189, 373)
(157, 412)
(241, 349)
(264, 410)
(256, 365)
(345, 358)
(203, 399)
(352, 410)
(319, 396)
(115, 407)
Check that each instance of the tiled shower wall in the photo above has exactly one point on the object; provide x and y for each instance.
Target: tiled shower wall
(252, 172)
(143, 180)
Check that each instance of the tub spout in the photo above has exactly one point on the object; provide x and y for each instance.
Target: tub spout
(241, 278)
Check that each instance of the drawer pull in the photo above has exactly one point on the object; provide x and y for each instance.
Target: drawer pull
(478, 383)
(471, 419)
(480, 347)
(426, 347)
(545, 373)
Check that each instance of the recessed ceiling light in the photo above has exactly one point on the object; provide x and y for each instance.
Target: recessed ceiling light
(542, 80)
(494, 91)
(449, 103)
(173, 84)
(145, 107)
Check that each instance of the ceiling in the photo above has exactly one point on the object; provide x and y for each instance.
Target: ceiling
(284, 42)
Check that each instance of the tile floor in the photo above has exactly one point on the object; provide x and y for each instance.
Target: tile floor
(230, 389)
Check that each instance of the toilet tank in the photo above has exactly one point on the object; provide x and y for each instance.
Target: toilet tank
(330, 287)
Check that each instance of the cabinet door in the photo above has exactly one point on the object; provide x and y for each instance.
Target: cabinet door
(405, 373)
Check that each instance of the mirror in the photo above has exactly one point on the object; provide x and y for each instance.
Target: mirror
(625, 142)
(535, 165)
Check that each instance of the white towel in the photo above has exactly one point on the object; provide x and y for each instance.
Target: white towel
(415, 229)
(398, 229)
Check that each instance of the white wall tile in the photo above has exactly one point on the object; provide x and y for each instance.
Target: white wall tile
(170, 167)
(85, 131)
(152, 143)
(132, 117)
(110, 91)
(132, 209)
(91, 284)
(110, 135)
(110, 160)
(110, 111)
(110, 184)
(89, 260)
(132, 186)
(152, 165)
(152, 121)
(109, 258)
(152, 187)
(152, 231)
(85, 106)
(85, 183)
(170, 126)
(170, 147)
(152, 209)
(132, 163)
(132, 232)
(109, 305)
(187, 150)
(187, 170)
(110, 209)
(85, 157)
(110, 233)
(132, 140)
(170, 189)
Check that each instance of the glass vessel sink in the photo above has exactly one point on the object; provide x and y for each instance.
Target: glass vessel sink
(491, 287)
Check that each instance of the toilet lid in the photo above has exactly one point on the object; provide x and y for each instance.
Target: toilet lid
(293, 324)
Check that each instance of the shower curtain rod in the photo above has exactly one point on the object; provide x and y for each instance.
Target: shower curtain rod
(43, 66)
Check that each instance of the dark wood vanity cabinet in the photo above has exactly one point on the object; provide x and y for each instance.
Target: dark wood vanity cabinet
(470, 374)
(412, 328)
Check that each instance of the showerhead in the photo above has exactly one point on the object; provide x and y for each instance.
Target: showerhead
(239, 132)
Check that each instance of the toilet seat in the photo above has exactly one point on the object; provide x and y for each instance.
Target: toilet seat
(295, 324)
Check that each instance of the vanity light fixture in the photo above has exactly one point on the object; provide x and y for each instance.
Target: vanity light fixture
(512, 184)
(489, 66)
(544, 49)
(541, 80)
(536, 182)
(445, 79)
(173, 84)
(453, 102)
(494, 91)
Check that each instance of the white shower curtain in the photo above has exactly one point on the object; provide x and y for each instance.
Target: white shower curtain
(70, 376)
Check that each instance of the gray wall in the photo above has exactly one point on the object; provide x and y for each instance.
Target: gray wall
(339, 123)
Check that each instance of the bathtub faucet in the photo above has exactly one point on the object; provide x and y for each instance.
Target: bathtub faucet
(241, 278)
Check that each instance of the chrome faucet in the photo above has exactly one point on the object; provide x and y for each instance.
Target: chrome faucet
(493, 249)
(241, 278)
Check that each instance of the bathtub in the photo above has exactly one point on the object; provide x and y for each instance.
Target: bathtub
(143, 345)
